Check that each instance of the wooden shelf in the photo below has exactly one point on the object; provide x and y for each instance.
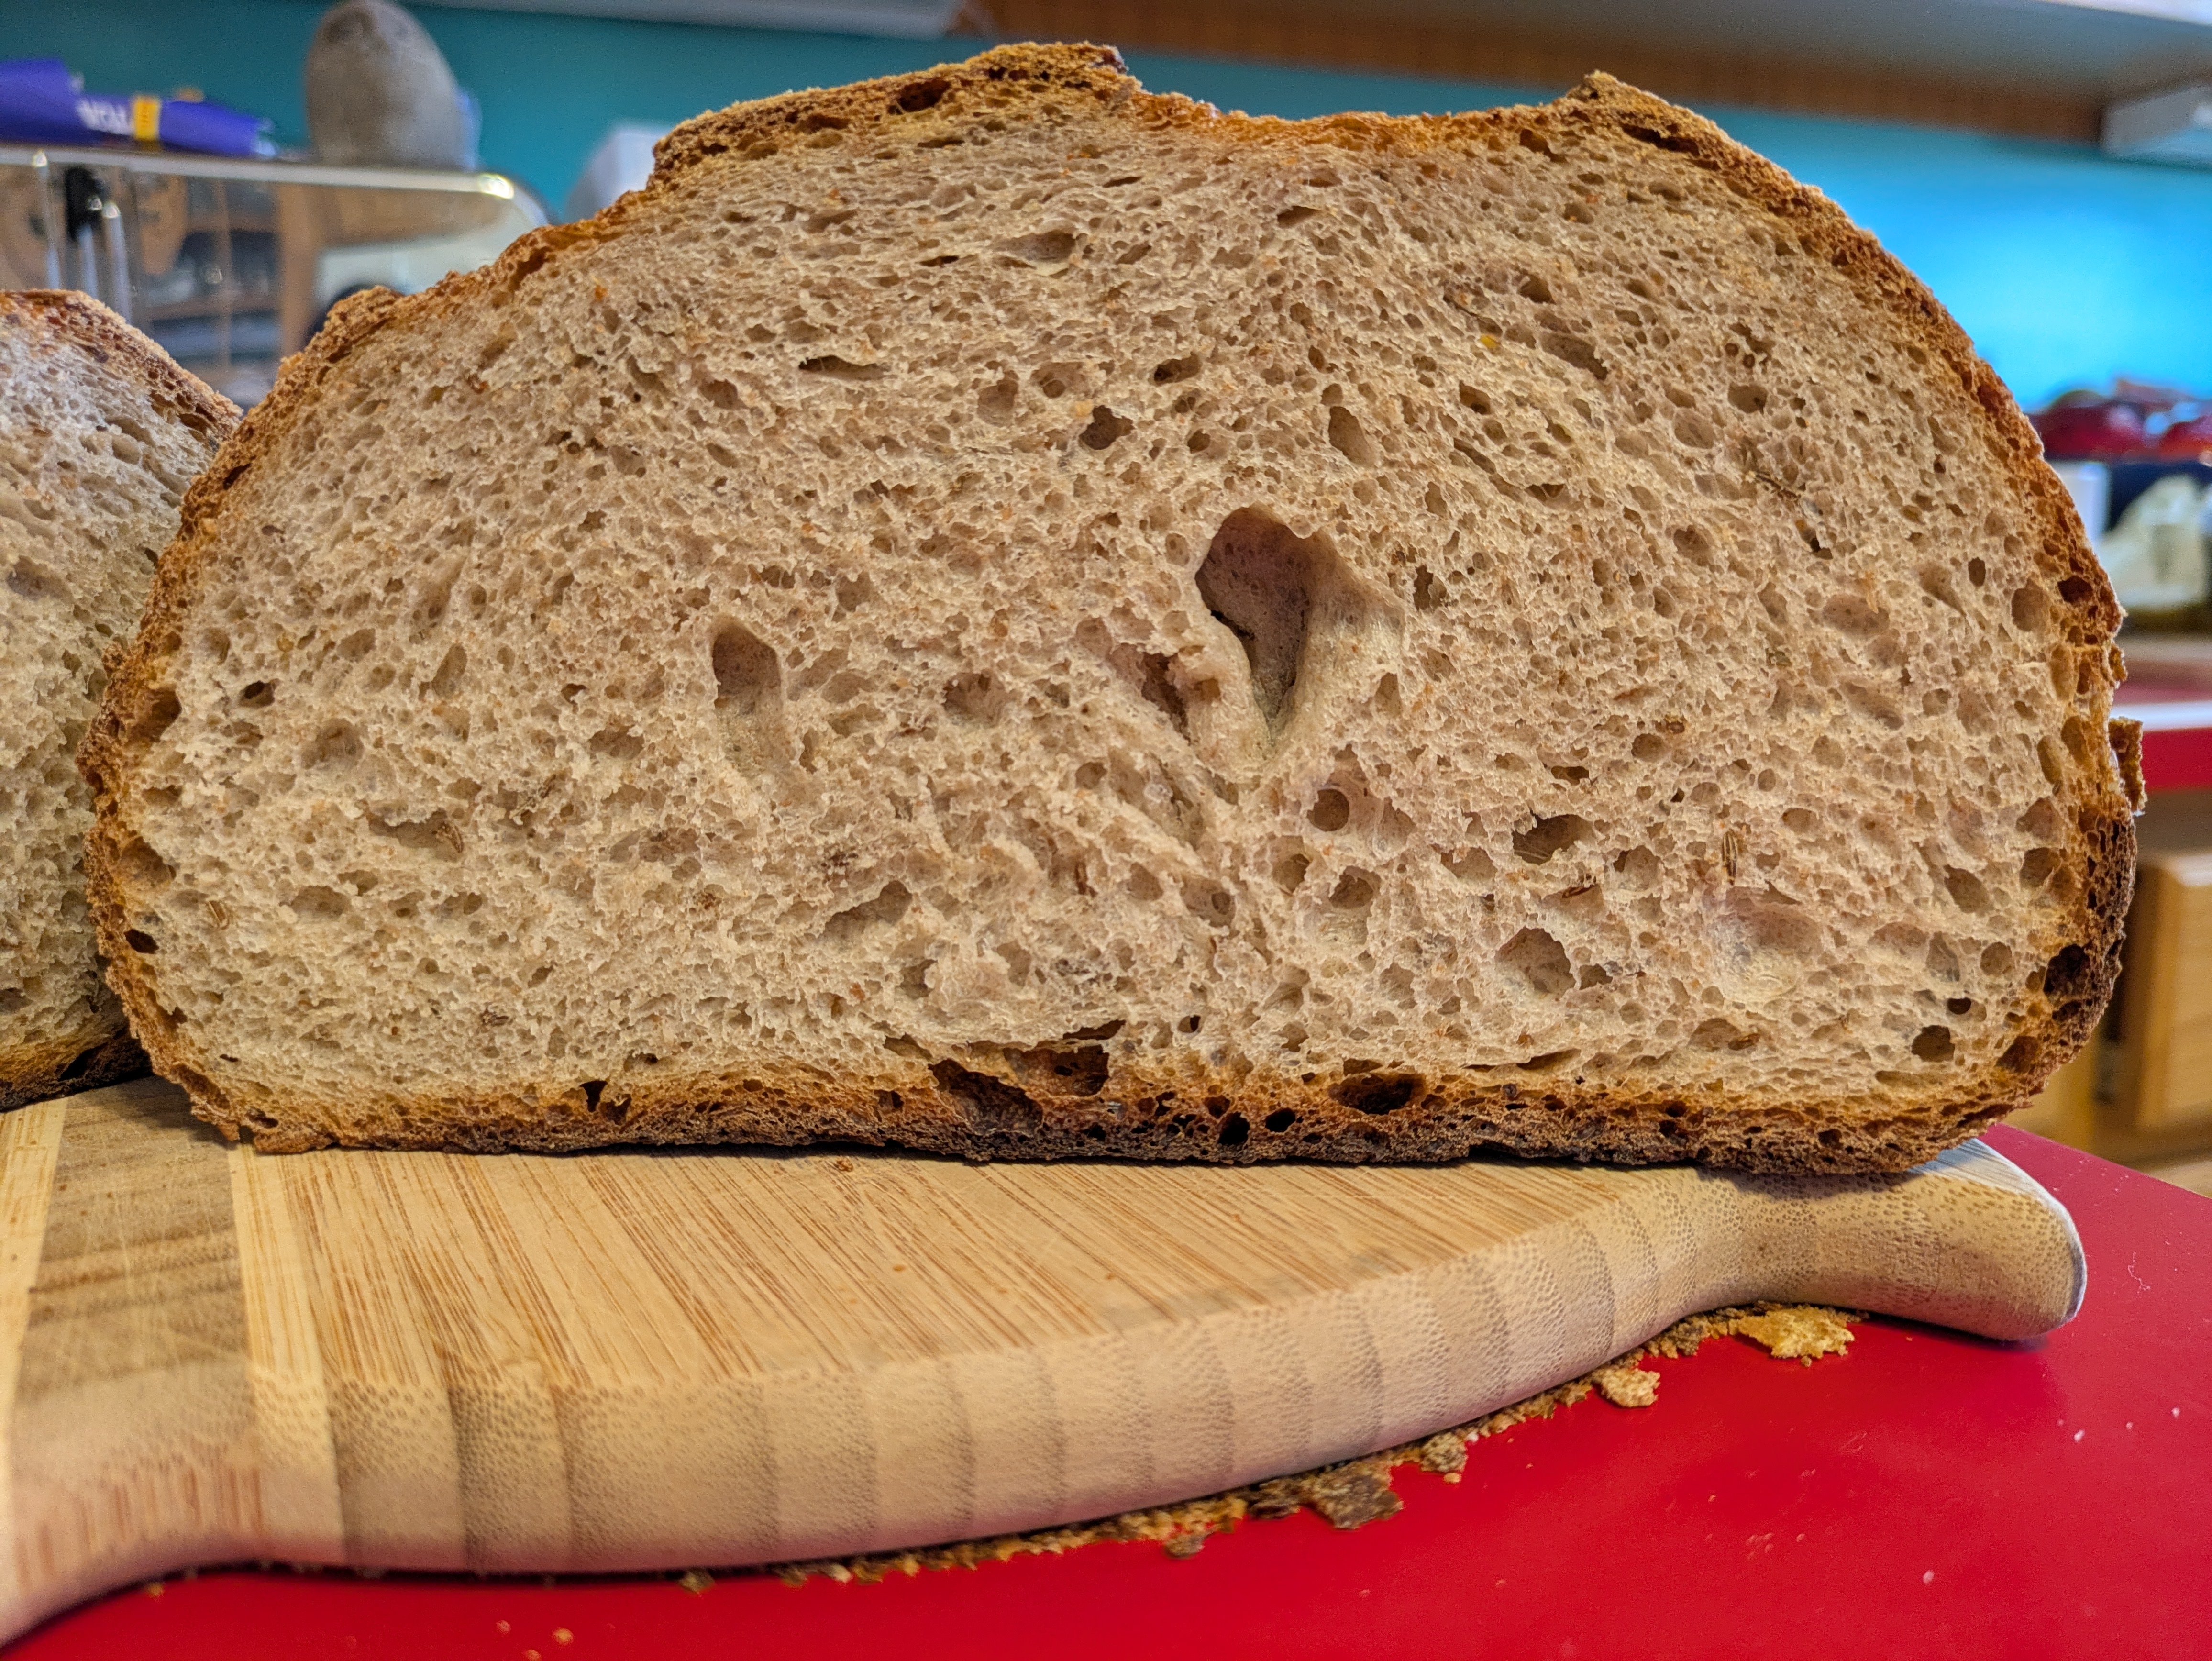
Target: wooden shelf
(244, 305)
(2019, 66)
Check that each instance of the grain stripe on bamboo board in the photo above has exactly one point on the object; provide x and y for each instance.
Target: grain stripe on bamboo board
(30, 1144)
(302, 1509)
(132, 1383)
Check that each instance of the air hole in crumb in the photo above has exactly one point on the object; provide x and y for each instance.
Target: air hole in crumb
(1280, 1120)
(918, 95)
(1378, 1092)
(1355, 889)
(746, 674)
(142, 866)
(1978, 572)
(337, 744)
(1176, 368)
(2031, 609)
(1694, 430)
(1349, 438)
(839, 368)
(1959, 1006)
(138, 940)
(1260, 582)
(436, 835)
(887, 907)
(1041, 248)
(1211, 902)
(1933, 1043)
(1332, 811)
(748, 695)
(1965, 889)
(1295, 215)
(1160, 691)
(1539, 960)
(1235, 1131)
(1428, 592)
(1471, 865)
(1290, 870)
(1638, 866)
(1105, 428)
(995, 403)
(2022, 1054)
(975, 696)
(161, 710)
(1080, 1072)
(450, 668)
(2066, 975)
(1719, 1033)
(319, 904)
(1551, 835)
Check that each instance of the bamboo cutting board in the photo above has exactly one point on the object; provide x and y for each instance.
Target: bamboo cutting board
(649, 1361)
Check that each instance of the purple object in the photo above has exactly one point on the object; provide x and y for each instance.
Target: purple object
(42, 103)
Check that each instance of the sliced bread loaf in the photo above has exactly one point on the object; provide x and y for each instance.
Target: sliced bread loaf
(100, 432)
(995, 612)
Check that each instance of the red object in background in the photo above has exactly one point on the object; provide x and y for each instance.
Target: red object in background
(1925, 1496)
(2103, 430)
(2185, 441)
(2177, 760)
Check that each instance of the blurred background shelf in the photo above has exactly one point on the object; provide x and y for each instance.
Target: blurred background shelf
(2141, 1093)
(231, 265)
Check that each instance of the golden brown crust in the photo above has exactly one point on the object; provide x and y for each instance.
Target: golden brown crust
(82, 1061)
(99, 332)
(1371, 1118)
(1447, 1122)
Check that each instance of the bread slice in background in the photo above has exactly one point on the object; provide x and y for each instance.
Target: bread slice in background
(995, 612)
(100, 434)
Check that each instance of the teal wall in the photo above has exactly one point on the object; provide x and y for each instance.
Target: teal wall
(2066, 268)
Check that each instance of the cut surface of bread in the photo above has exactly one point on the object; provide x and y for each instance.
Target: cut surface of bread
(100, 434)
(996, 612)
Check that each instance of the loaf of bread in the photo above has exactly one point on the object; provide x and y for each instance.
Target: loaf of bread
(100, 434)
(993, 612)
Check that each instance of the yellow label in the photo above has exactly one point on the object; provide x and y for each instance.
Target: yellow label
(146, 118)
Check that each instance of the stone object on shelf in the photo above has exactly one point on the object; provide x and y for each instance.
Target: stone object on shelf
(380, 94)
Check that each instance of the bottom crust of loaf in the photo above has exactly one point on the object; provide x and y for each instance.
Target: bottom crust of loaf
(1370, 1118)
(36, 1072)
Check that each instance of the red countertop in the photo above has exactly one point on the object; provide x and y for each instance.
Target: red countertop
(1926, 1494)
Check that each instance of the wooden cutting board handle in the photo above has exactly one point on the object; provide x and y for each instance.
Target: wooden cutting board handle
(639, 1360)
